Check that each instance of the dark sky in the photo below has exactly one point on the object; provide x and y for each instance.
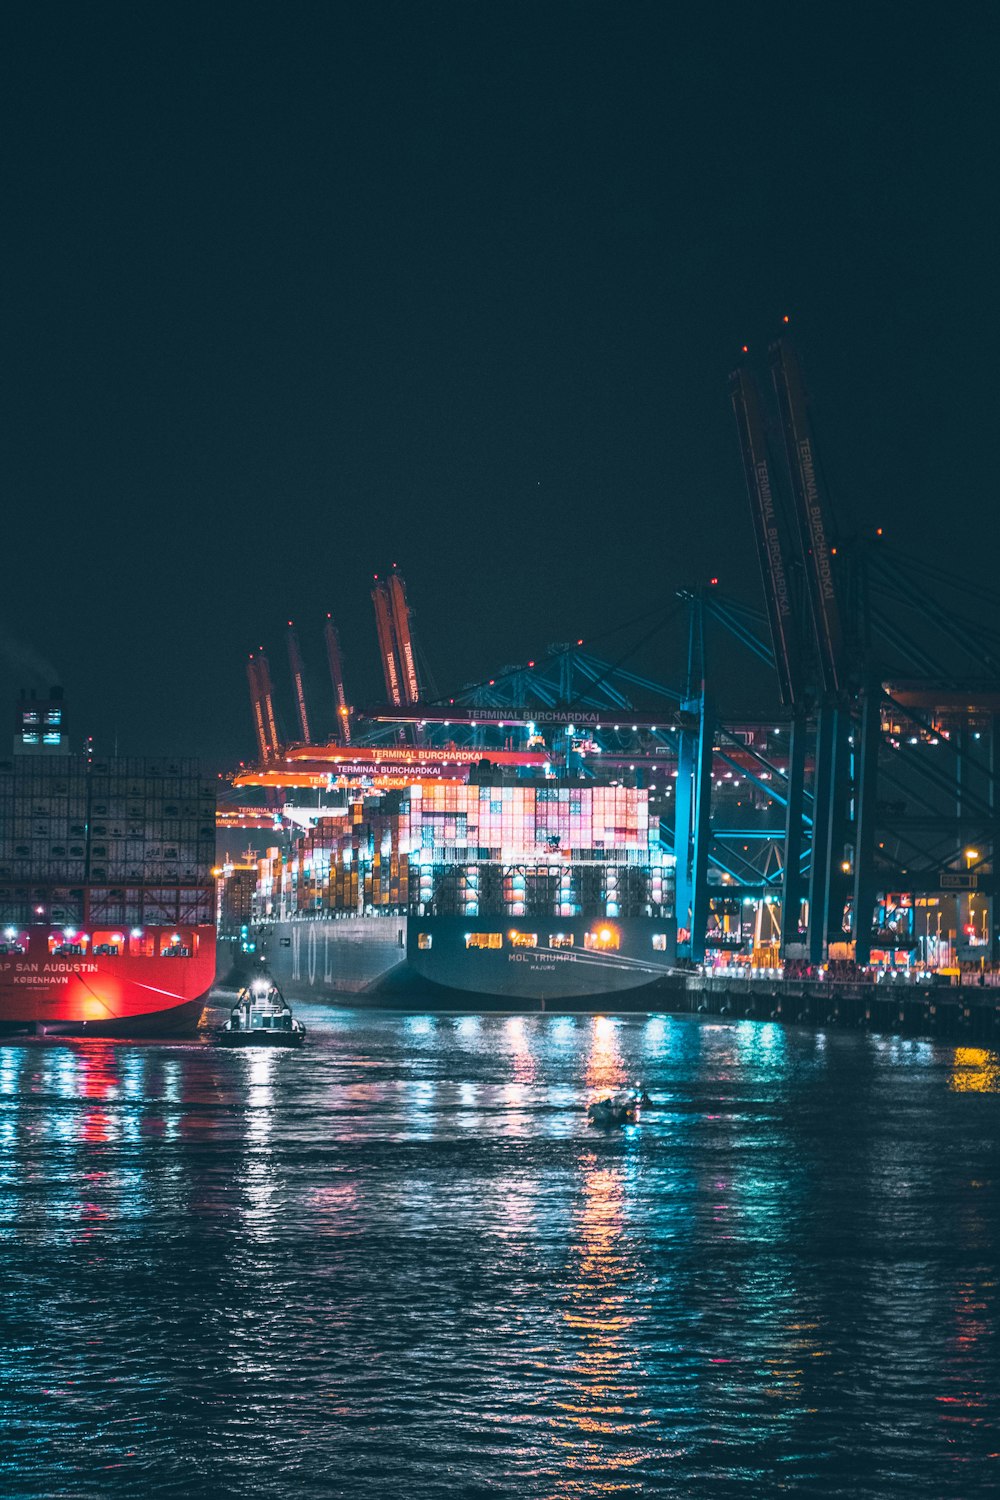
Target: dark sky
(294, 291)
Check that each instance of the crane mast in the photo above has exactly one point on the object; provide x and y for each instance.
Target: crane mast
(767, 534)
(295, 664)
(811, 514)
(336, 665)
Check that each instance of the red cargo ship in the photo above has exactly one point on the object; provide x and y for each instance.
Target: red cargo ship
(107, 906)
(150, 981)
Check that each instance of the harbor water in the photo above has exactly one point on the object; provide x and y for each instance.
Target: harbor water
(399, 1262)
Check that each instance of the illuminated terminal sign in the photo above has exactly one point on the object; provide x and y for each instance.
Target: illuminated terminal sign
(415, 770)
(588, 718)
(354, 776)
(421, 759)
(316, 780)
(389, 782)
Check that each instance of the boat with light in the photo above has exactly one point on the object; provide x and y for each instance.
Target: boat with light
(261, 1017)
(620, 1108)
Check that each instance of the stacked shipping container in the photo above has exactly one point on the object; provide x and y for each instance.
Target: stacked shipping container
(121, 841)
(458, 849)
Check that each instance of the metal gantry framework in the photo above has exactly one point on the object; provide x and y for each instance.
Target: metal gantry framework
(903, 789)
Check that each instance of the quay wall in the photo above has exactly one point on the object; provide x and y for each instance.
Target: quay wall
(954, 1012)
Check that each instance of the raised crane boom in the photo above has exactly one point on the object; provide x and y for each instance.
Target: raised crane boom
(404, 638)
(257, 706)
(295, 664)
(811, 512)
(767, 534)
(386, 644)
(336, 664)
(273, 749)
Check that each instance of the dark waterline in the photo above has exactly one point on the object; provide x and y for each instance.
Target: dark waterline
(399, 1263)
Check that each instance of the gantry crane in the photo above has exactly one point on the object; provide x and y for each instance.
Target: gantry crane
(824, 678)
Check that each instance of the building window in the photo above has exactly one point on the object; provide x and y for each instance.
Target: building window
(53, 716)
(561, 940)
(424, 940)
(660, 942)
(51, 737)
(29, 716)
(29, 737)
(604, 940)
(523, 940)
(484, 939)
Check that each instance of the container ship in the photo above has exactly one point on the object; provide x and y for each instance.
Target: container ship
(107, 907)
(493, 894)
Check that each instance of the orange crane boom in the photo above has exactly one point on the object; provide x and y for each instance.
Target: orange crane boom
(404, 638)
(256, 703)
(295, 663)
(383, 624)
(336, 663)
(273, 749)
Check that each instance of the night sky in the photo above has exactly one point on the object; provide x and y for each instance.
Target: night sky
(293, 292)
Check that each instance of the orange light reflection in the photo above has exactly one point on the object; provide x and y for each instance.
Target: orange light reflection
(975, 1070)
(606, 1373)
(605, 1069)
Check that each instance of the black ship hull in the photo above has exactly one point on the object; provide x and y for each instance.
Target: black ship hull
(441, 963)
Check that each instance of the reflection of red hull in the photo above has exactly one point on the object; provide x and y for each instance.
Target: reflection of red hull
(122, 994)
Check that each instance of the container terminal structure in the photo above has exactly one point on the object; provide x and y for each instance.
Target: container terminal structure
(848, 837)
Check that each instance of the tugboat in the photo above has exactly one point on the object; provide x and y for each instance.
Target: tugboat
(261, 1018)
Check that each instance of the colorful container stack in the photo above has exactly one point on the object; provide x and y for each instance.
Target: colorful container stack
(517, 848)
(120, 841)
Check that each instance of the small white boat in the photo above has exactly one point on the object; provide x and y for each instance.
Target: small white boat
(261, 1018)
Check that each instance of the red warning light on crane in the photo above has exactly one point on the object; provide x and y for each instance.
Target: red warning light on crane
(785, 318)
(746, 348)
(713, 581)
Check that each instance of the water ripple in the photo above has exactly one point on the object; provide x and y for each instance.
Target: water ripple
(399, 1263)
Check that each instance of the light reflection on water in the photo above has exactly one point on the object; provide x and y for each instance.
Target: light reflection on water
(604, 1422)
(399, 1262)
(976, 1071)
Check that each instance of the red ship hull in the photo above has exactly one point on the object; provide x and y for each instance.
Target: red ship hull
(155, 984)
